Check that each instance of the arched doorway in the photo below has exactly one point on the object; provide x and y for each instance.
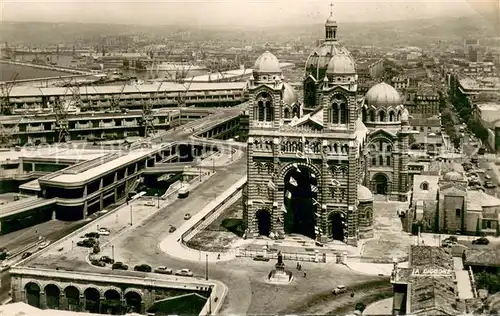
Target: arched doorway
(73, 296)
(301, 194)
(337, 226)
(112, 303)
(263, 222)
(53, 295)
(380, 183)
(32, 294)
(92, 300)
(133, 300)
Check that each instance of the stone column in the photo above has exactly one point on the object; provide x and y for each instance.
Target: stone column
(124, 308)
(101, 309)
(63, 302)
(352, 192)
(43, 300)
(143, 308)
(82, 302)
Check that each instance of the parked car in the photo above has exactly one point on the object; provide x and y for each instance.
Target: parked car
(103, 232)
(44, 244)
(150, 203)
(187, 216)
(172, 229)
(92, 235)
(489, 185)
(184, 272)
(339, 290)
(88, 243)
(164, 270)
(481, 241)
(26, 255)
(98, 263)
(119, 266)
(107, 259)
(143, 268)
(260, 258)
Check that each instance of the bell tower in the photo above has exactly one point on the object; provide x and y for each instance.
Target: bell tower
(331, 26)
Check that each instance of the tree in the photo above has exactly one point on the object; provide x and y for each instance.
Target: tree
(488, 281)
(360, 306)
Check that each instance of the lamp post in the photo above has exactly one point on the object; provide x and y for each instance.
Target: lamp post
(158, 199)
(206, 267)
(113, 252)
(213, 164)
(199, 168)
(210, 302)
(130, 214)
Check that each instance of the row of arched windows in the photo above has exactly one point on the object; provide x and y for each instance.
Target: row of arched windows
(381, 161)
(338, 114)
(294, 113)
(380, 116)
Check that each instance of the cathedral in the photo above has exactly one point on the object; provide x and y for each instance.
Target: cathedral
(313, 165)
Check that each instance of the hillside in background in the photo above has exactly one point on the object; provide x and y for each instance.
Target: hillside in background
(416, 32)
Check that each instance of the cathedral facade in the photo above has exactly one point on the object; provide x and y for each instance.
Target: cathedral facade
(307, 162)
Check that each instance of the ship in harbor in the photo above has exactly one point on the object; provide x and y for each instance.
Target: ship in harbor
(173, 67)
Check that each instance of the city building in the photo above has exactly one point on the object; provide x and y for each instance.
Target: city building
(488, 114)
(401, 82)
(428, 285)
(448, 204)
(307, 176)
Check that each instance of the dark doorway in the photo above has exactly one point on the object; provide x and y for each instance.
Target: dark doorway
(33, 294)
(300, 201)
(52, 294)
(133, 300)
(264, 222)
(112, 303)
(381, 184)
(337, 223)
(73, 297)
(92, 300)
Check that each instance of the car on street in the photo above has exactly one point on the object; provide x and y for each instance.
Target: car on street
(26, 255)
(260, 258)
(4, 267)
(172, 229)
(98, 263)
(107, 259)
(143, 268)
(184, 272)
(88, 243)
(150, 203)
(489, 185)
(339, 290)
(164, 270)
(187, 216)
(92, 235)
(481, 241)
(44, 244)
(487, 177)
(103, 232)
(119, 266)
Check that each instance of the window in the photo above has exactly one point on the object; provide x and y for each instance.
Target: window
(381, 116)
(457, 212)
(381, 160)
(424, 186)
(374, 161)
(388, 158)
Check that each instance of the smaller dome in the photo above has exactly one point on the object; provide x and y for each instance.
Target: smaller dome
(453, 176)
(364, 194)
(405, 116)
(341, 64)
(383, 94)
(331, 21)
(289, 95)
(267, 63)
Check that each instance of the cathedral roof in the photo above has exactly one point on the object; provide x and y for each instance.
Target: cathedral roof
(318, 60)
(383, 94)
(289, 95)
(341, 65)
(364, 194)
(453, 176)
(267, 63)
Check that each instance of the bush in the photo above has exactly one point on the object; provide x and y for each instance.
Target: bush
(488, 281)
(96, 250)
(360, 306)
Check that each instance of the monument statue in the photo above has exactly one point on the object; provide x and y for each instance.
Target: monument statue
(280, 265)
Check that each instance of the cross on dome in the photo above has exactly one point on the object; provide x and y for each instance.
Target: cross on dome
(331, 8)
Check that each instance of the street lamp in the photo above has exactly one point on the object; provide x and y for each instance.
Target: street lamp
(158, 199)
(213, 164)
(206, 267)
(130, 214)
(113, 252)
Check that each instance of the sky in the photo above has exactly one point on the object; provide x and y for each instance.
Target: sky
(235, 12)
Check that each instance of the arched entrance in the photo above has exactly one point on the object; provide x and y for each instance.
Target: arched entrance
(264, 222)
(301, 193)
(380, 183)
(52, 294)
(32, 294)
(73, 296)
(337, 226)
(92, 300)
(133, 300)
(112, 303)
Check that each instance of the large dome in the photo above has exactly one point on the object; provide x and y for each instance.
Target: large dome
(341, 65)
(267, 63)
(289, 95)
(383, 94)
(318, 60)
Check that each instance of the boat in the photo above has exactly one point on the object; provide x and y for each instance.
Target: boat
(169, 66)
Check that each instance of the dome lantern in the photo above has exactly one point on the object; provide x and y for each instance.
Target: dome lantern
(331, 26)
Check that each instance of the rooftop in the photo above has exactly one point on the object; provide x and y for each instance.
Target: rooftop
(433, 296)
(480, 84)
(482, 257)
(429, 257)
(477, 200)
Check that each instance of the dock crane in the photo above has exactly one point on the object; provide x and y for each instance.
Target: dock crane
(114, 104)
(147, 113)
(6, 107)
(8, 130)
(61, 105)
